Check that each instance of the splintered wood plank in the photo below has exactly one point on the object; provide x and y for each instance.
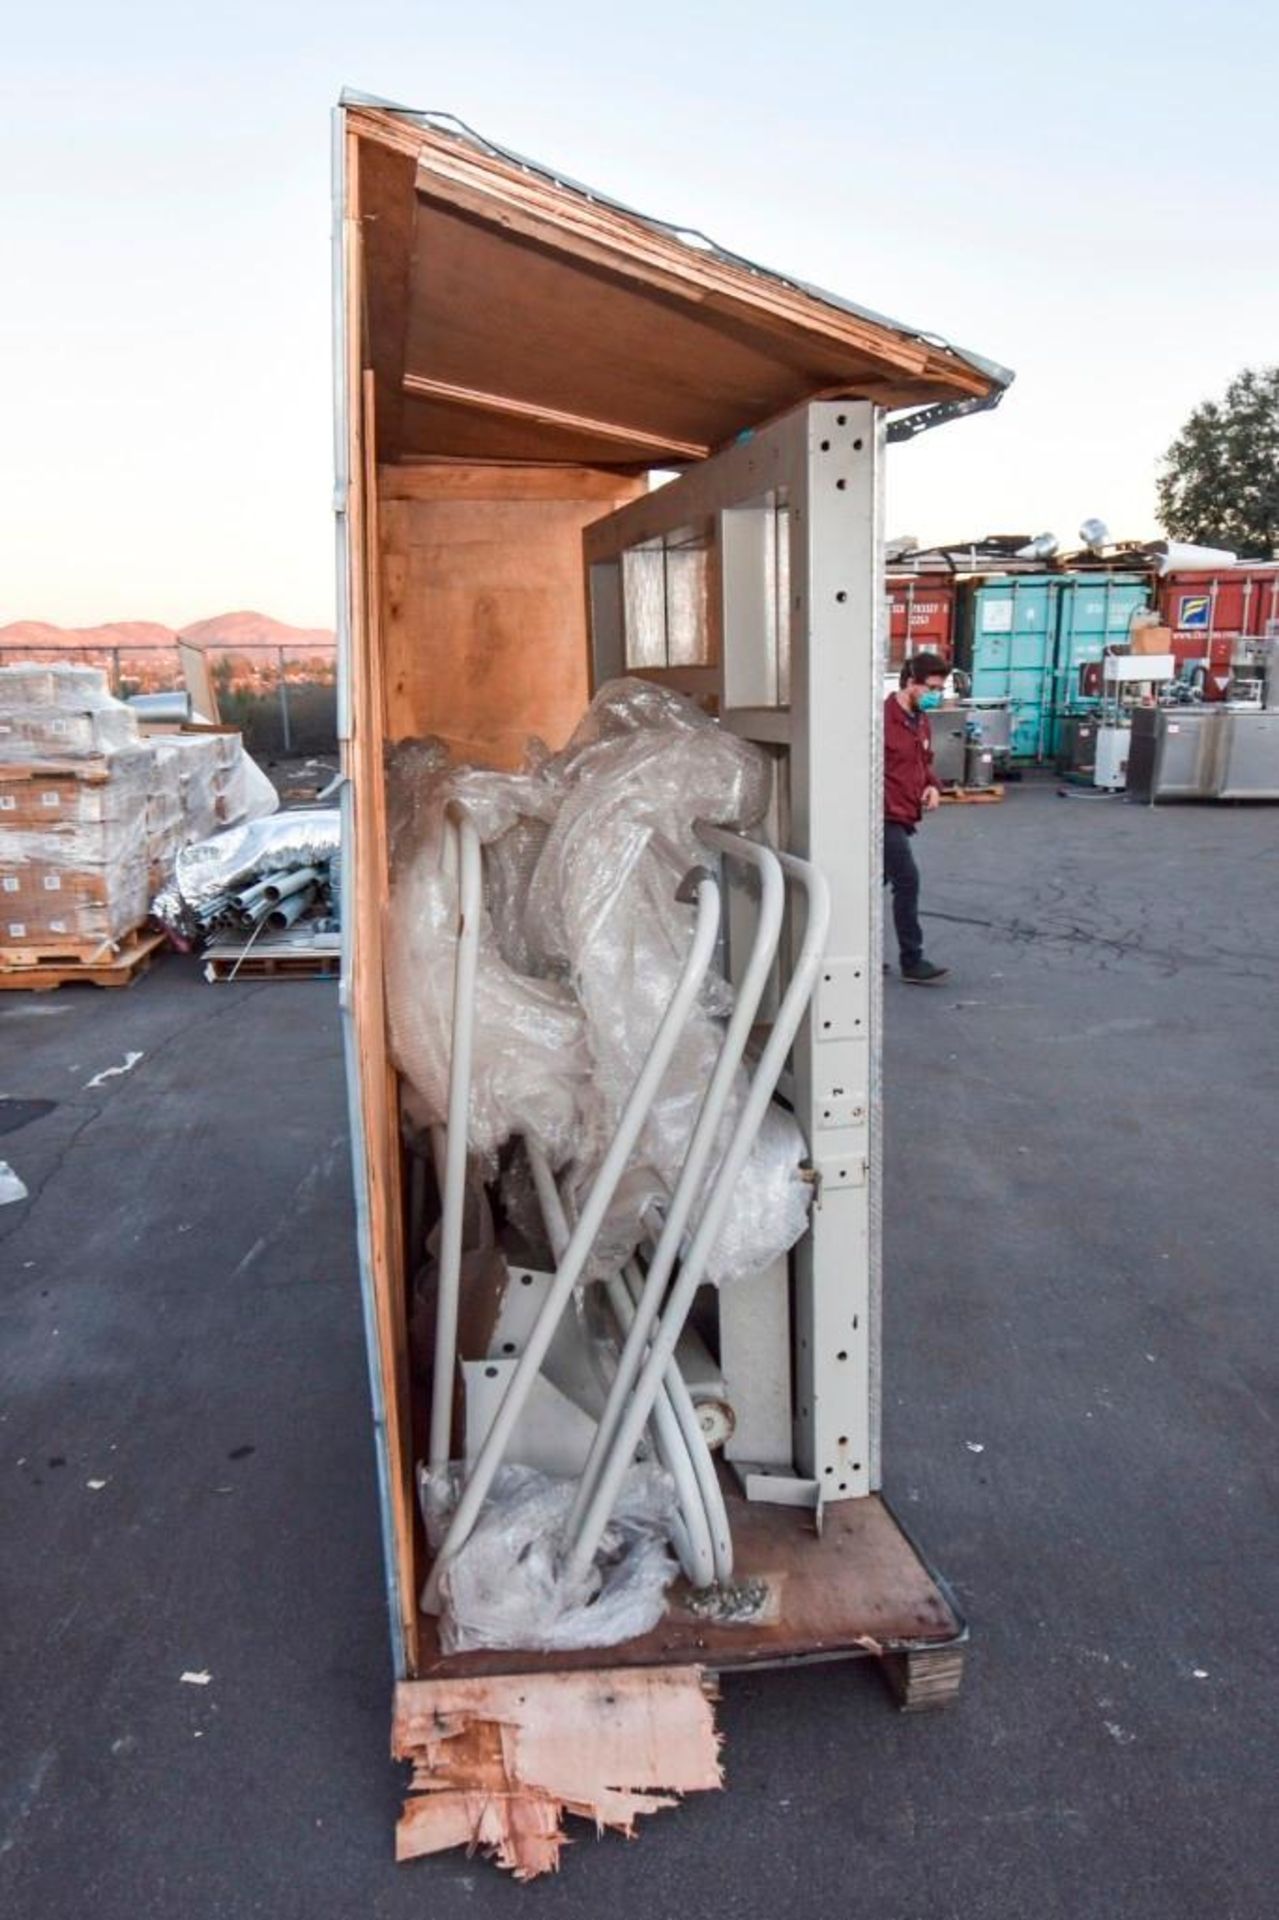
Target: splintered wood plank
(497, 1762)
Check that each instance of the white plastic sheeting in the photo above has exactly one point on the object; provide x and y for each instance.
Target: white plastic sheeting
(506, 1588)
(583, 941)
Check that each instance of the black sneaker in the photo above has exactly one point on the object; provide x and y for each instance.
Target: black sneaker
(922, 973)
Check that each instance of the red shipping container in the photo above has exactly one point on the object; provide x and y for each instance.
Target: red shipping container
(921, 615)
(1210, 612)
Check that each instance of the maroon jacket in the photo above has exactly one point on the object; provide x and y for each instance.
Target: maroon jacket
(908, 763)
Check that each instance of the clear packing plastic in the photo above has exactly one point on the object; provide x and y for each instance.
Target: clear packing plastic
(584, 854)
(505, 1587)
(582, 943)
(92, 814)
(642, 768)
(73, 843)
(529, 1063)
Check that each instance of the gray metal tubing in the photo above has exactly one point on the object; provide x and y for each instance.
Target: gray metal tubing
(470, 886)
(287, 911)
(675, 1390)
(693, 1536)
(767, 1073)
(280, 886)
(694, 1544)
(252, 896)
(643, 1093)
(688, 1187)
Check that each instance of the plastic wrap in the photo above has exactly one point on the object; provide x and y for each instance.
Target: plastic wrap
(771, 1199)
(504, 1587)
(55, 685)
(529, 1064)
(583, 855)
(42, 735)
(640, 770)
(202, 781)
(73, 853)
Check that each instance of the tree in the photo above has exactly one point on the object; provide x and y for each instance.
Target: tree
(1219, 483)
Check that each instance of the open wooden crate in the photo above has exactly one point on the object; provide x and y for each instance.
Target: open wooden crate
(515, 359)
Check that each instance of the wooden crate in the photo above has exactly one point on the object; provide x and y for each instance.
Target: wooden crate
(517, 358)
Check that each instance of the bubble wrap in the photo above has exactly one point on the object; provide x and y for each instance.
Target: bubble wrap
(505, 1587)
(529, 1059)
(640, 770)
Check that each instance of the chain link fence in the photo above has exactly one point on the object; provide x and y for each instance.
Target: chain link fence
(283, 699)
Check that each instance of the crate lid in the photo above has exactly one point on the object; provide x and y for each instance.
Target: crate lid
(515, 316)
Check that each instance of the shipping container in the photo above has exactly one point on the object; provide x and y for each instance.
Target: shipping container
(1207, 614)
(515, 359)
(1007, 634)
(1032, 638)
(1094, 611)
(921, 615)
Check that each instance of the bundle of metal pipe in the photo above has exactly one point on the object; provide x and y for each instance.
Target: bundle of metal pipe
(240, 879)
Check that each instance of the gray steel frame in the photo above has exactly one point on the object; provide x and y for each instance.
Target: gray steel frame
(824, 463)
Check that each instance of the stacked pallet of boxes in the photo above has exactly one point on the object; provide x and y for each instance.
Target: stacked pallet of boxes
(92, 813)
(74, 782)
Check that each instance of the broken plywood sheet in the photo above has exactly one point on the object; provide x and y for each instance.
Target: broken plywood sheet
(497, 1762)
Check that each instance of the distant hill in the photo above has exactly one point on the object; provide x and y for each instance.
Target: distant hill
(223, 631)
(254, 629)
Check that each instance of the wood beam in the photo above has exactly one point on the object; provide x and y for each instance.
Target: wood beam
(420, 388)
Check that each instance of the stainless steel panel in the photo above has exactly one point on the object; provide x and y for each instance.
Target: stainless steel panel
(1247, 761)
(1173, 752)
(949, 731)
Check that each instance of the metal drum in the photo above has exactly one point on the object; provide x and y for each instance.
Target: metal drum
(979, 765)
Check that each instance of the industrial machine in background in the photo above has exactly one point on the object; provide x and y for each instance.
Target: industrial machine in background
(1219, 750)
(1129, 684)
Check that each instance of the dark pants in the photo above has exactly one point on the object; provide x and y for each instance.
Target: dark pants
(902, 875)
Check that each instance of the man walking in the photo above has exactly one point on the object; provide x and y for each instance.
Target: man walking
(910, 791)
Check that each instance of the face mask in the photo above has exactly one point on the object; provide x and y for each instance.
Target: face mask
(929, 699)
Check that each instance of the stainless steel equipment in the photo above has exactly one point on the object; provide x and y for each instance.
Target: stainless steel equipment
(1173, 752)
(1110, 767)
(990, 723)
(979, 765)
(1128, 681)
(1077, 752)
(1246, 763)
(950, 731)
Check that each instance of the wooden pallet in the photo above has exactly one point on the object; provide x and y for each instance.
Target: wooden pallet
(972, 796)
(39, 969)
(266, 961)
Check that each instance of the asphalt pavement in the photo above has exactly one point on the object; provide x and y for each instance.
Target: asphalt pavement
(1081, 1233)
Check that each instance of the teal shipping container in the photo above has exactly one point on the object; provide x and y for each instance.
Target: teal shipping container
(1007, 644)
(1094, 610)
(1024, 638)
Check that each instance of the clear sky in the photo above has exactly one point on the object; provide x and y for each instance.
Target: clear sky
(1091, 201)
